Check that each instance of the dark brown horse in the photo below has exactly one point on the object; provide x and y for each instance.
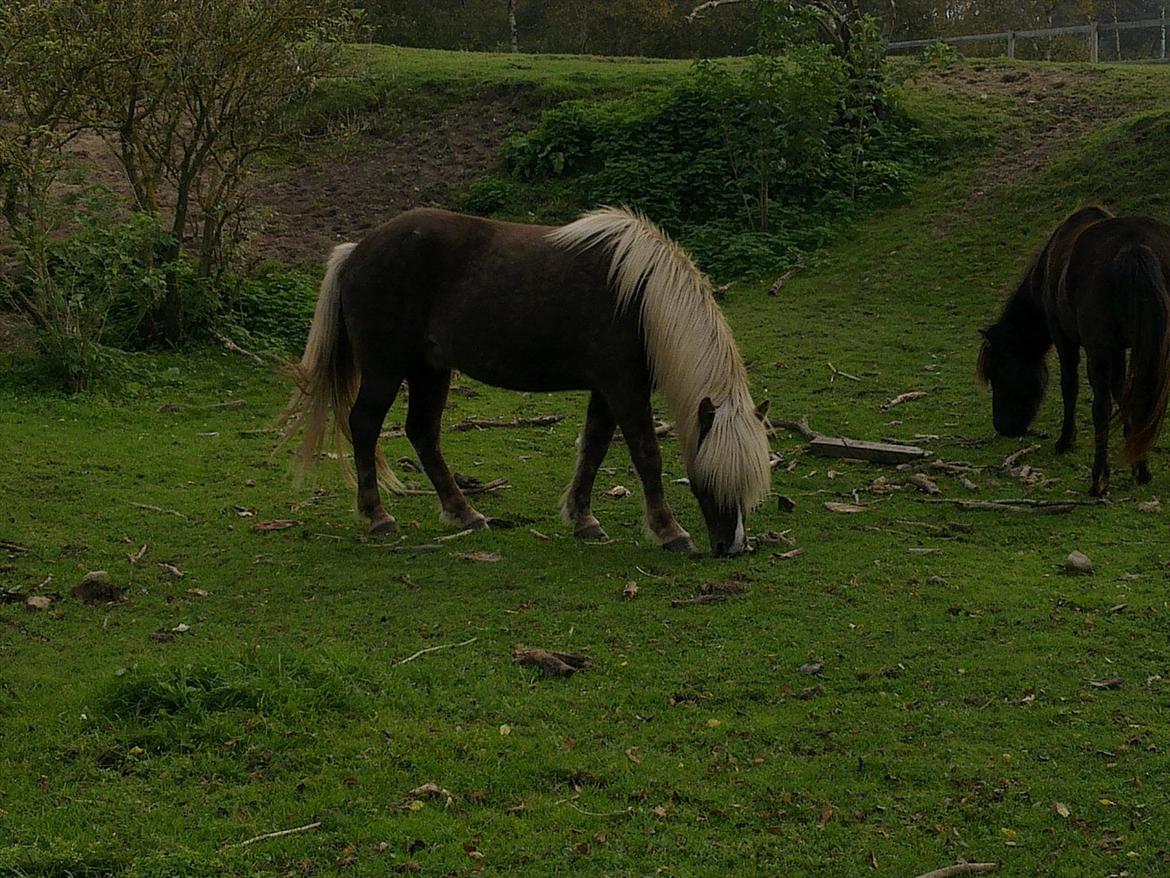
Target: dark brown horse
(1101, 283)
(607, 304)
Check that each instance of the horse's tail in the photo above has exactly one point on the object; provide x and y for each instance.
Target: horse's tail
(326, 378)
(1139, 277)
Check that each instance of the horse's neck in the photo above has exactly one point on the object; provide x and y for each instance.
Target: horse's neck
(1024, 322)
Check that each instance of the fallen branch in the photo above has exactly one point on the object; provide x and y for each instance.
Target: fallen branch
(150, 508)
(800, 427)
(774, 290)
(280, 833)
(556, 664)
(235, 348)
(837, 372)
(1012, 459)
(435, 649)
(903, 397)
(230, 405)
(476, 424)
(698, 600)
(961, 869)
(852, 449)
(1041, 507)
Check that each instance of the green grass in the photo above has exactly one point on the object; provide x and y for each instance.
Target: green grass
(953, 712)
(403, 80)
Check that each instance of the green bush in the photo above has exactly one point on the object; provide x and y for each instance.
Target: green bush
(273, 309)
(748, 164)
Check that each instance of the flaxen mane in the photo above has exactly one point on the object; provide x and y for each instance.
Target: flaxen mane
(689, 349)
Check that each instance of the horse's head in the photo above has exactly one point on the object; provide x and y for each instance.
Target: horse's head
(725, 521)
(1017, 383)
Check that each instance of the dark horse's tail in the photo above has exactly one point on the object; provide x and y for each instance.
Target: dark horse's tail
(1139, 278)
(327, 377)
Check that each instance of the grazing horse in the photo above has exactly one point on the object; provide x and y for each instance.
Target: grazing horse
(1101, 283)
(607, 304)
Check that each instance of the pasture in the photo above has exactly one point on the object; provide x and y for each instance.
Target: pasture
(921, 684)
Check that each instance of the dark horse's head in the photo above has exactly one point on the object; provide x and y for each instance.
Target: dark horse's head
(1017, 382)
(724, 520)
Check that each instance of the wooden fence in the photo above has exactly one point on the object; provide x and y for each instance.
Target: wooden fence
(1092, 33)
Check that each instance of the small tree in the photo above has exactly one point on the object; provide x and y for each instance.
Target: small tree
(203, 87)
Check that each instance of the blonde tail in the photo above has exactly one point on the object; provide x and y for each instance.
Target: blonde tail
(327, 380)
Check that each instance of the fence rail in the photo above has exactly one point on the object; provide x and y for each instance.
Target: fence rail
(1092, 32)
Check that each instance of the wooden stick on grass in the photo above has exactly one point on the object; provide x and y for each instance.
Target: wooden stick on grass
(434, 649)
(278, 834)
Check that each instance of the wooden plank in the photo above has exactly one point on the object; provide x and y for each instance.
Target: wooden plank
(876, 452)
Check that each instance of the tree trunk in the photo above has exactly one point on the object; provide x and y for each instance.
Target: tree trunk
(512, 26)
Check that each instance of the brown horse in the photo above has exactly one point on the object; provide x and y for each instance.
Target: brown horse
(1101, 283)
(607, 304)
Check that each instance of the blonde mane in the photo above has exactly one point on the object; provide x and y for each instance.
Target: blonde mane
(689, 349)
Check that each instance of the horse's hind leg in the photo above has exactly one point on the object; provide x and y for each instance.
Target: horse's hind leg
(1100, 379)
(635, 418)
(1141, 468)
(428, 395)
(595, 439)
(375, 396)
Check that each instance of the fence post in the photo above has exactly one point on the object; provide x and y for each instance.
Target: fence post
(1012, 44)
(1094, 43)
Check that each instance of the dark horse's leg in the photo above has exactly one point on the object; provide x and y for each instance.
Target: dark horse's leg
(595, 439)
(428, 395)
(1070, 385)
(1141, 468)
(1101, 380)
(635, 417)
(374, 399)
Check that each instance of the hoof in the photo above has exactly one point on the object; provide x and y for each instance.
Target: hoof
(383, 527)
(1064, 447)
(479, 523)
(682, 545)
(592, 534)
(1100, 489)
(1141, 474)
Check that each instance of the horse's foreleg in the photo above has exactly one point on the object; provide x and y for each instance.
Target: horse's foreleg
(637, 423)
(594, 443)
(1100, 369)
(428, 395)
(365, 423)
(1070, 385)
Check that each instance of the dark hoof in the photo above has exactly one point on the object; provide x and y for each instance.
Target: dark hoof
(592, 534)
(682, 545)
(1141, 474)
(1064, 447)
(383, 527)
(1100, 489)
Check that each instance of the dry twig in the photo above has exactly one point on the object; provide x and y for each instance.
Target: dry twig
(961, 869)
(278, 834)
(434, 649)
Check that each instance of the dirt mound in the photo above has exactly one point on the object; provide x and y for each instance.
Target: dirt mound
(310, 208)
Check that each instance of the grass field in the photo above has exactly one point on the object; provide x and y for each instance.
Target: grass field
(974, 702)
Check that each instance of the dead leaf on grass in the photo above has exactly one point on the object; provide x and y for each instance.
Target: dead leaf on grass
(275, 524)
(38, 602)
(481, 557)
(847, 508)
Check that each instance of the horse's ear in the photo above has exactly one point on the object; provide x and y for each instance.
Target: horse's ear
(706, 417)
(762, 409)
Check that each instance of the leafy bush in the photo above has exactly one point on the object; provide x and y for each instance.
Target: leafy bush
(748, 163)
(273, 309)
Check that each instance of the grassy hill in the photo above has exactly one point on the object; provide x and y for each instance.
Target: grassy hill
(973, 704)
